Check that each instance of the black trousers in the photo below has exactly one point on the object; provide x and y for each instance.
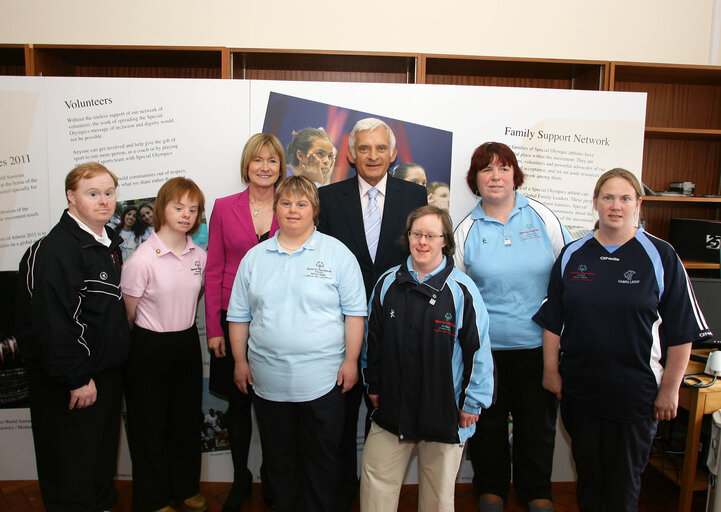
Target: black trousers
(76, 450)
(610, 457)
(163, 393)
(301, 447)
(520, 393)
(237, 418)
(349, 442)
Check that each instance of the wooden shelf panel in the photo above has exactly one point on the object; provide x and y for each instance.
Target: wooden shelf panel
(678, 96)
(655, 132)
(665, 161)
(499, 72)
(12, 60)
(657, 214)
(328, 67)
(665, 73)
(700, 265)
(128, 62)
(683, 199)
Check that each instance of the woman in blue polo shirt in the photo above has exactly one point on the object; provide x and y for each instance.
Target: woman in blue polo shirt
(507, 244)
(618, 323)
(298, 306)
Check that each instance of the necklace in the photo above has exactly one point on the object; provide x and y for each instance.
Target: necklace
(504, 232)
(503, 220)
(256, 210)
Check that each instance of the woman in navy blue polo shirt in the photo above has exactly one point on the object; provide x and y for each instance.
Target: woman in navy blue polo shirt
(618, 323)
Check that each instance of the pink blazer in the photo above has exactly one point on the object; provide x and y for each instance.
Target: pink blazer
(231, 234)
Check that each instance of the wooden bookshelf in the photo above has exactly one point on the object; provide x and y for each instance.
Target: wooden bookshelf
(127, 61)
(323, 66)
(512, 72)
(12, 59)
(682, 139)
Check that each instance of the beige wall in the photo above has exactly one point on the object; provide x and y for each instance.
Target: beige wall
(630, 30)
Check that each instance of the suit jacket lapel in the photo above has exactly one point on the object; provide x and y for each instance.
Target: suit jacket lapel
(241, 210)
(351, 207)
(392, 210)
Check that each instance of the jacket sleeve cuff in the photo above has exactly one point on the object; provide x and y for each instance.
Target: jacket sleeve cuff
(471, 410)
(78, 383)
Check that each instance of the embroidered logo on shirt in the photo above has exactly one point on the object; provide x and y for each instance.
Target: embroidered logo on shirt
(530, 233)
(195, 269)
(629, 278)
(445, 326)
(319, 271)
(582, 274)
(392, 313)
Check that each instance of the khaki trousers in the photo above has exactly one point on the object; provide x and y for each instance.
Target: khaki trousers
(383, 468)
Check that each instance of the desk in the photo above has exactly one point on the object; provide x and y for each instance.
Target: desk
(698, 401)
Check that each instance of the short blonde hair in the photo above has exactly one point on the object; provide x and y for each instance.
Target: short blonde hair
(298, 186)
(254, 146)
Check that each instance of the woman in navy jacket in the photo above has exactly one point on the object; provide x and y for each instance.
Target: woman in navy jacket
(428, 368)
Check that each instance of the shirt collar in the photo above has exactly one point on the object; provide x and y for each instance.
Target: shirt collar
(479, 213)
(364, 186)
(160, 249)
(439, 268)
(311, 244)
(102, 239)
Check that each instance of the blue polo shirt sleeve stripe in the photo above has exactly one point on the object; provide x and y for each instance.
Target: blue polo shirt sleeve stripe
(473, 375)
(471, 339)
(573, 247)
(655, 258)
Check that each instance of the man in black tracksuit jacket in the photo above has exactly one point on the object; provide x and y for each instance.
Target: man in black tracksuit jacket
(73, 333)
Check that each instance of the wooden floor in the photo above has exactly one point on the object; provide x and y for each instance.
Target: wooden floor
(658, 495)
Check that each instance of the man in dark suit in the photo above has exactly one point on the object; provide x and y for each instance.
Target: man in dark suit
(368, 214)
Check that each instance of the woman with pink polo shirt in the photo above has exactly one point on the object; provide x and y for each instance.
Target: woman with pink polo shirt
(161, 284)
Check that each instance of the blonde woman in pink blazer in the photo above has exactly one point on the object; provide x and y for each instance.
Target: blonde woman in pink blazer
(238, 223)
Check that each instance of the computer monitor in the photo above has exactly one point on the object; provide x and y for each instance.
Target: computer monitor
(708, 295)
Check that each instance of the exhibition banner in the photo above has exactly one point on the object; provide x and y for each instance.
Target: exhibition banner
(149, 130)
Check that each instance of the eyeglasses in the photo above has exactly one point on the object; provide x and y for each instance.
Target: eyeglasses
(417, 235)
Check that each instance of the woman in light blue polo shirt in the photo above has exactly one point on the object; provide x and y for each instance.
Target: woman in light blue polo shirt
(298, 310)
(507, 244)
